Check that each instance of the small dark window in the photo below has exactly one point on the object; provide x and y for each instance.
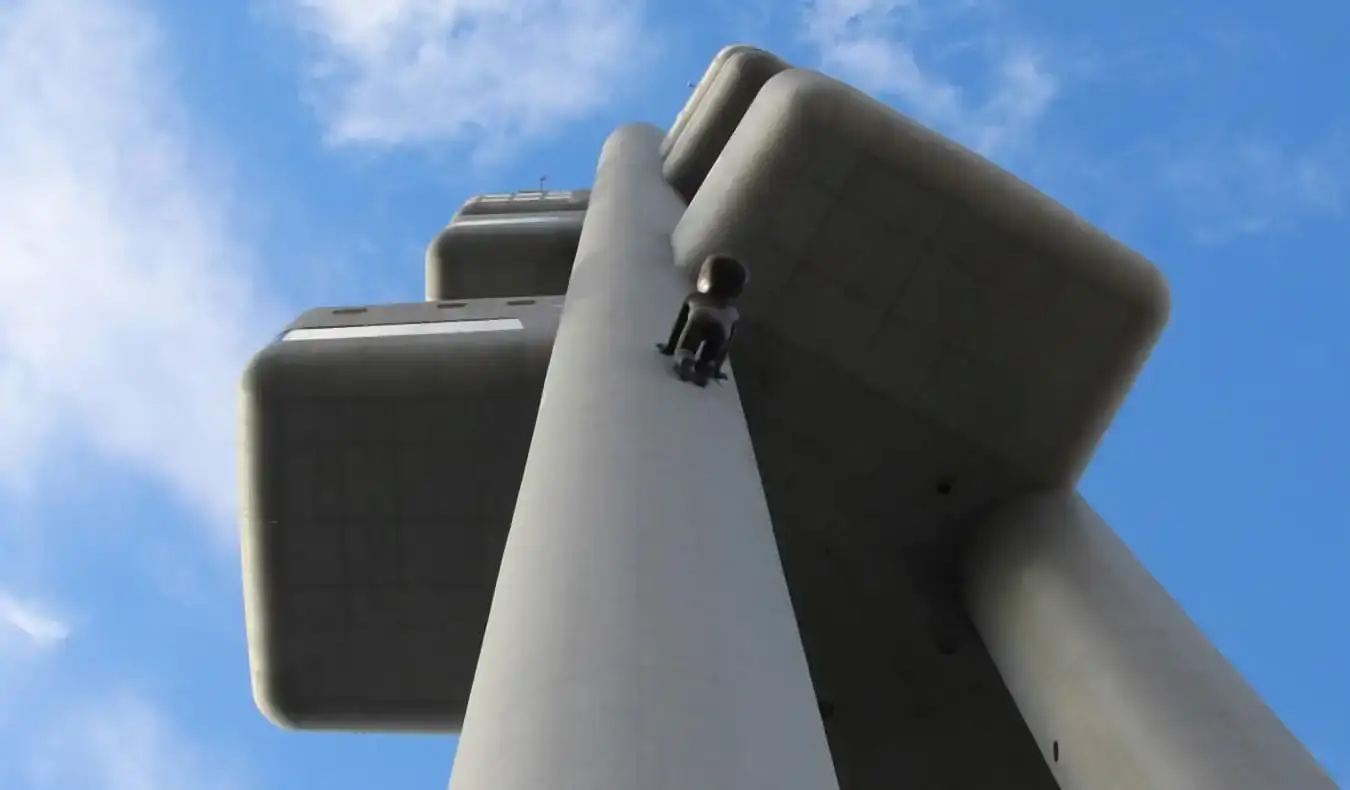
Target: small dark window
(519, 302)
(349, 310)
(1054, 748)
(449, 305)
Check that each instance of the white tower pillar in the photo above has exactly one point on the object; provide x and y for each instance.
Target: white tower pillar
(1118, 686)
(641, 634)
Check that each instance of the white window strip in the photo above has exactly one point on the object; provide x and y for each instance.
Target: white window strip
(514, 219)
(404, 330)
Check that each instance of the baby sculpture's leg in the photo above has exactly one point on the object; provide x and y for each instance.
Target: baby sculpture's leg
(688, 352)
(710, 354)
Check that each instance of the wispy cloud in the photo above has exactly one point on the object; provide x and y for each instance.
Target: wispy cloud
(1252, 187)
(493, 72)
(31, 620)
(122, 742)
(927, 55)
(126, 308)
(964, 69)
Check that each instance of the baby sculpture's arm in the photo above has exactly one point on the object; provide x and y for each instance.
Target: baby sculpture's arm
(682, 318)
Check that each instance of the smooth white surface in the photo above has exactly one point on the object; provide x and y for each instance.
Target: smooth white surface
(404, 330)
(1101, 659)
(641, 634)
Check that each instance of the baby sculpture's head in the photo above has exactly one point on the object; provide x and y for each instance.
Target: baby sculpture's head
(722, 276)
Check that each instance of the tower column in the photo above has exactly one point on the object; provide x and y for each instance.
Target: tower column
(641, 634)
(1118, 686)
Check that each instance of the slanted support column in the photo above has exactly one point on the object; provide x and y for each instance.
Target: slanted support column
(641, 635)
(1102, 661)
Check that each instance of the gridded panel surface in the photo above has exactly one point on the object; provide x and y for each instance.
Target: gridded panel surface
(960, 293)
(382, 474)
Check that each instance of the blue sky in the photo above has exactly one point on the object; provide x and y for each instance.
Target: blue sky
(177, 180)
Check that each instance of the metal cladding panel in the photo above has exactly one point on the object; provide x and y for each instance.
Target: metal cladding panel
(482, 256)
(381, 453)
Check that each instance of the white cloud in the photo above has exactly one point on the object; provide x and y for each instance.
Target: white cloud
(126, 310)
(121, 743)
(30, 620)
(497, 72)
(914, 50)
(1252, 187)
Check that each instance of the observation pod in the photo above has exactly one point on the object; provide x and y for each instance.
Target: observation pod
(381, 452)
(713, 113)
(700, 90)
(489, 256)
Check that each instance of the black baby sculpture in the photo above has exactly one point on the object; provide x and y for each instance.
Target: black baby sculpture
(706, 323)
